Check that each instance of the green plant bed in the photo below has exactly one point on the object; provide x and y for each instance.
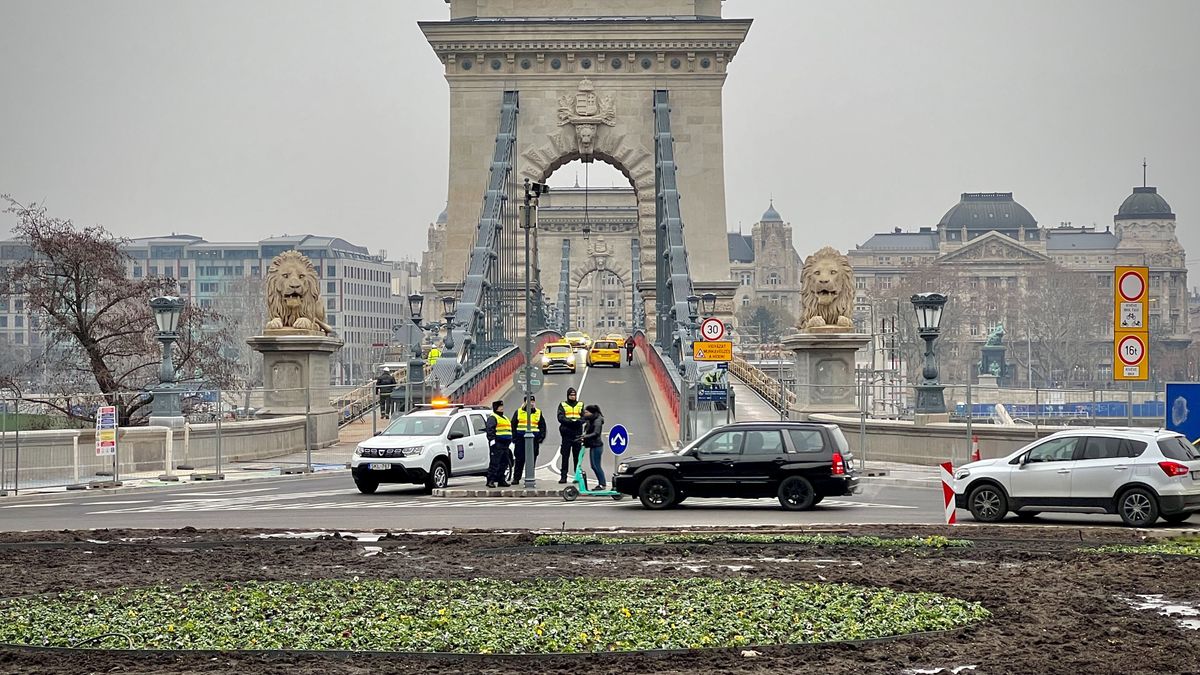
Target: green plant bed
(1189, 546)
(478, 616)
(935, 541)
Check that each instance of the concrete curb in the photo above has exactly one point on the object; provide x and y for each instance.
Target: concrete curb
(151, 485)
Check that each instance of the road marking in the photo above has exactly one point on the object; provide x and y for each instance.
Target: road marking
(29, 506)
(125, 501)
(223, 493)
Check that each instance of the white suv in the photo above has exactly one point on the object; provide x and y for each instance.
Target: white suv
(1139, 474)
(425, 446)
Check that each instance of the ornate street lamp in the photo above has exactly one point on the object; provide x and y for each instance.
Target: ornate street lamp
(693, 303)
(449, 303)
(416, 367)
(928, 308)
(708, 304)
(167, 311)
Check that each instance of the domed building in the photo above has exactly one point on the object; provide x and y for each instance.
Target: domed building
(431, 264)
(765, 263)
(1050, 288)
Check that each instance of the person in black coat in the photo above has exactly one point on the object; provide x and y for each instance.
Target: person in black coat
(593, 440)
(384, 385)
(570, 428)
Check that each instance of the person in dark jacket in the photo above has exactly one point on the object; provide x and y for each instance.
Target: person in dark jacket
(384, 385)
(570, 428)
(593, 440)
(528, 416)
(499, 434)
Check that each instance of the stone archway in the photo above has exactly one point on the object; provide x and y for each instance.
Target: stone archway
(586, 91)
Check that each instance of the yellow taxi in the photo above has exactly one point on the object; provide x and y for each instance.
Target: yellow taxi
(578, 339)
(604, 351)
(617, 338)
(560, 355)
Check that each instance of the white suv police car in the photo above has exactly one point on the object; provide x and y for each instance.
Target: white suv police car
(1138, 474)
(426, 446)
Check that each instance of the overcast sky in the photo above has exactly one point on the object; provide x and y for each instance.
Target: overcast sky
(236, 120)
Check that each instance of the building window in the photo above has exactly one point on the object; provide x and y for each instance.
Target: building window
(860, 282)
(330, 271)
(884, 260)
(331, 287)
(745, 300)
(154, 270)
(747, 279)
(208, 287)
(3, 322)
(773, 279)
(169, 272)
(330, 303)
(183, 287)
(19, 321)
(18, 305)
(137, 273)
(20, 338)
(974, 330)
(885, 283)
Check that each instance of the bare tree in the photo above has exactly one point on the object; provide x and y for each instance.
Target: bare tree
(244, 307)
(96, 321)
(771, 321)
(1061, 311)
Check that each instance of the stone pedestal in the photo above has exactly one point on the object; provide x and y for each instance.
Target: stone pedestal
(991, 358)
(296, 379)
(989, 382)
(824, 371)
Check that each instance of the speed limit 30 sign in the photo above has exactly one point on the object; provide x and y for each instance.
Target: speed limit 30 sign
(712, 328)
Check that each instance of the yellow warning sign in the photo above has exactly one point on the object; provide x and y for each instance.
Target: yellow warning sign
(717, 350)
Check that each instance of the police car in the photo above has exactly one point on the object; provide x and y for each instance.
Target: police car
(426, 446)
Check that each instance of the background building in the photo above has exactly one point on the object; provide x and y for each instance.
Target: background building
(355, 285)
(765, 264)
(1050, 288)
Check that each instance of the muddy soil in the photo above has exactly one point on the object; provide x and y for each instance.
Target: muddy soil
(1054, 608)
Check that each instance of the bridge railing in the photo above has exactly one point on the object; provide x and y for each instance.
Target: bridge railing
(768, 388)
(664, 372)
(490, 376)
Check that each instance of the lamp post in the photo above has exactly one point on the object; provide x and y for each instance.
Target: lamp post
(532, 192)
(416, 368)
(685, 402)
(166, 411)
(449, 303)
(928, 308)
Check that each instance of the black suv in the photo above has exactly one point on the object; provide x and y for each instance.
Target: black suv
(797, 462)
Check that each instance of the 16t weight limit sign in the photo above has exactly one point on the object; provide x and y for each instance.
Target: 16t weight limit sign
(1131, 356)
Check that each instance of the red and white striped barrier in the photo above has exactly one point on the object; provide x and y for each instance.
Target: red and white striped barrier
(975, 448)
(948, 491)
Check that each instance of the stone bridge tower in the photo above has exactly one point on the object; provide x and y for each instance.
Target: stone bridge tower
(586, 71)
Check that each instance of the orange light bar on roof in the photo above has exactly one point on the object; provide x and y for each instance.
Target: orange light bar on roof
(440, 402)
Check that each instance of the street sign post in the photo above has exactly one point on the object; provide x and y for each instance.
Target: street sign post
(536, 381)
(712, 329)
(618, 439)
(718, 350)
(1131, 329)
(106, 431)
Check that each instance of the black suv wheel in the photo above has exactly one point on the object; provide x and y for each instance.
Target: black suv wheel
(988, 503)
(796, 493)
(657, 492)
(366, 485)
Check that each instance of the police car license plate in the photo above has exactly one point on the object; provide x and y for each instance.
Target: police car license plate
(1196, 475)
(380, 467)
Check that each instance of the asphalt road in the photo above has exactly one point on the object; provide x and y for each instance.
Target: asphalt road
(623, 398)
(329, 500)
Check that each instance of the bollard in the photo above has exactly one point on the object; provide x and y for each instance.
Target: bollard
(186, 465)
(75, 454)
(169, 458)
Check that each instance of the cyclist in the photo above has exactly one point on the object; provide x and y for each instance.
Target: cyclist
(629, 349)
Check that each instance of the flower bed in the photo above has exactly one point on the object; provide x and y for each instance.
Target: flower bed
(1189, 547)
(479, 616)
(935, 541)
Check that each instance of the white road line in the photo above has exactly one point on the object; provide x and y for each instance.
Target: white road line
(223, 493)
(125, 501)
(34, 506)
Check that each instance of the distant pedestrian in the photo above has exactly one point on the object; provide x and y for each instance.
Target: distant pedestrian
(593, 440)
(385, 384)
(570, 428)
(499, 434)
(434, 355)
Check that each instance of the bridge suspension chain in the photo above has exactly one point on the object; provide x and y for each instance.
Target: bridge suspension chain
(673, 282)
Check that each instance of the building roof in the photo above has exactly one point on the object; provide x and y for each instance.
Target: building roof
(1145, 202)
(741, 247)
(1080, 241)
(902, 241)
(771, 215)
(987, 211)
(443, 216)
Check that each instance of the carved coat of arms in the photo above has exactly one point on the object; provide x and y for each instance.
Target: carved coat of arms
(586, 112)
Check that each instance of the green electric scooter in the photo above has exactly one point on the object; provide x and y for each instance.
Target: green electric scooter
(572, 492)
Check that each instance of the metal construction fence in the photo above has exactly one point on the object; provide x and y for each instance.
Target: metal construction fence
(87, 440)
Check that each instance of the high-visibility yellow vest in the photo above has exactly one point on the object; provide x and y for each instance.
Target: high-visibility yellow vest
(524, 423)
(572, 412)
(433, 355)
(503, 426)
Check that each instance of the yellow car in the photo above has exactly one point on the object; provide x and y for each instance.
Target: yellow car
(578, 339)
(617, 338)
(559, 355)
(604, 351)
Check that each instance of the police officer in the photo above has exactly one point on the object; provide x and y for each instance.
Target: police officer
(434, 353)
(570, 428)
(529, 418)
(499, 434)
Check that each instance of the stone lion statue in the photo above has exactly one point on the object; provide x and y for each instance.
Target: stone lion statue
(826, 292)
(294, 295)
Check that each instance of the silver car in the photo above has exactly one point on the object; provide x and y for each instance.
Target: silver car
(1138, 474)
